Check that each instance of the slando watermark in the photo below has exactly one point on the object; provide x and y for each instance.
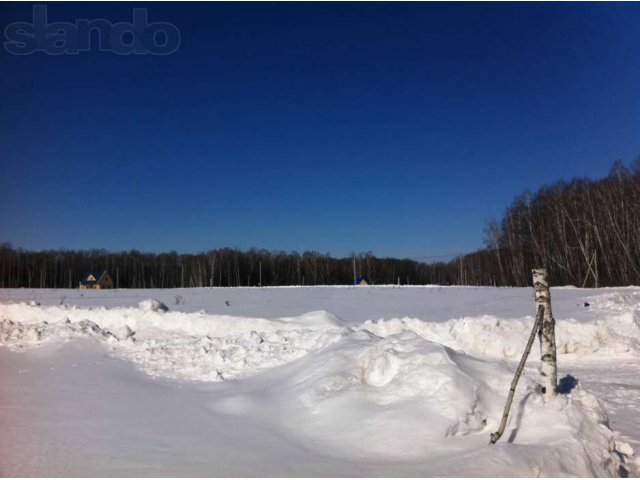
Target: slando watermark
(121, 38)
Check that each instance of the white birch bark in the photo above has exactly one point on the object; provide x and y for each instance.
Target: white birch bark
(546, 335)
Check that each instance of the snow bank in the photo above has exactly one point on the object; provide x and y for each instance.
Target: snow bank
(18, 336)
(149, 322)
(495, 337)
(200, 346)
(224, 358)
(193, 346)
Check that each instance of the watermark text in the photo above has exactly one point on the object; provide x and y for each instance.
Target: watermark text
(122, 38)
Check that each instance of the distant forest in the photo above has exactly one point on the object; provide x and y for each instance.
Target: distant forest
(586, 232)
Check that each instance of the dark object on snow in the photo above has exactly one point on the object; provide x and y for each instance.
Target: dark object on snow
(586, 304)
(226, 302)
(567, 383)
(129, 333)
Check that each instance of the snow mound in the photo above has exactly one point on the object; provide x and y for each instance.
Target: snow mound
(223, 358)
(18, 336)
(152, 305)
(404, 398)
(149, 323)
(401, 393)
(176, 345)
(317, 318)
(616, 301)
(494, 337)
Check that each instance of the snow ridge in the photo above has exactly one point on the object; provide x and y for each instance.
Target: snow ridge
(200, 346)
(494, 337)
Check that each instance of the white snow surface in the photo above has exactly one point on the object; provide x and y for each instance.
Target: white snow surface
(315, 381)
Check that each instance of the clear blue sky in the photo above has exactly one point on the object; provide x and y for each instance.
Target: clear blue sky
(395, 128)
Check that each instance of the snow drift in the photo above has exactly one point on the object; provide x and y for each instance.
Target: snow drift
(405, 399)
(202, 346)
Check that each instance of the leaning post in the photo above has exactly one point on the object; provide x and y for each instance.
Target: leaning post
(546, 335)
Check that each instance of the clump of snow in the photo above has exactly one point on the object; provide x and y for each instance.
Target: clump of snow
(152, 305)
(224, 358)
(18, 336)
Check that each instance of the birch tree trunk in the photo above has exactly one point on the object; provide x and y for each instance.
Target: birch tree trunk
(546, 335)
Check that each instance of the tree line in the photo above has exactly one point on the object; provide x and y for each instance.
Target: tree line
(216, 268)
(585, 232)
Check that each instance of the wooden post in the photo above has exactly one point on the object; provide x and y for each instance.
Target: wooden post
(514, 383)
(546, 335)
(354, 270)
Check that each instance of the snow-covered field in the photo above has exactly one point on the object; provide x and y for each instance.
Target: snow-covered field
(313, 381)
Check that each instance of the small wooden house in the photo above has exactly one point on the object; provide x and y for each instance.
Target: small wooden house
(96, 280)
(362, 280)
